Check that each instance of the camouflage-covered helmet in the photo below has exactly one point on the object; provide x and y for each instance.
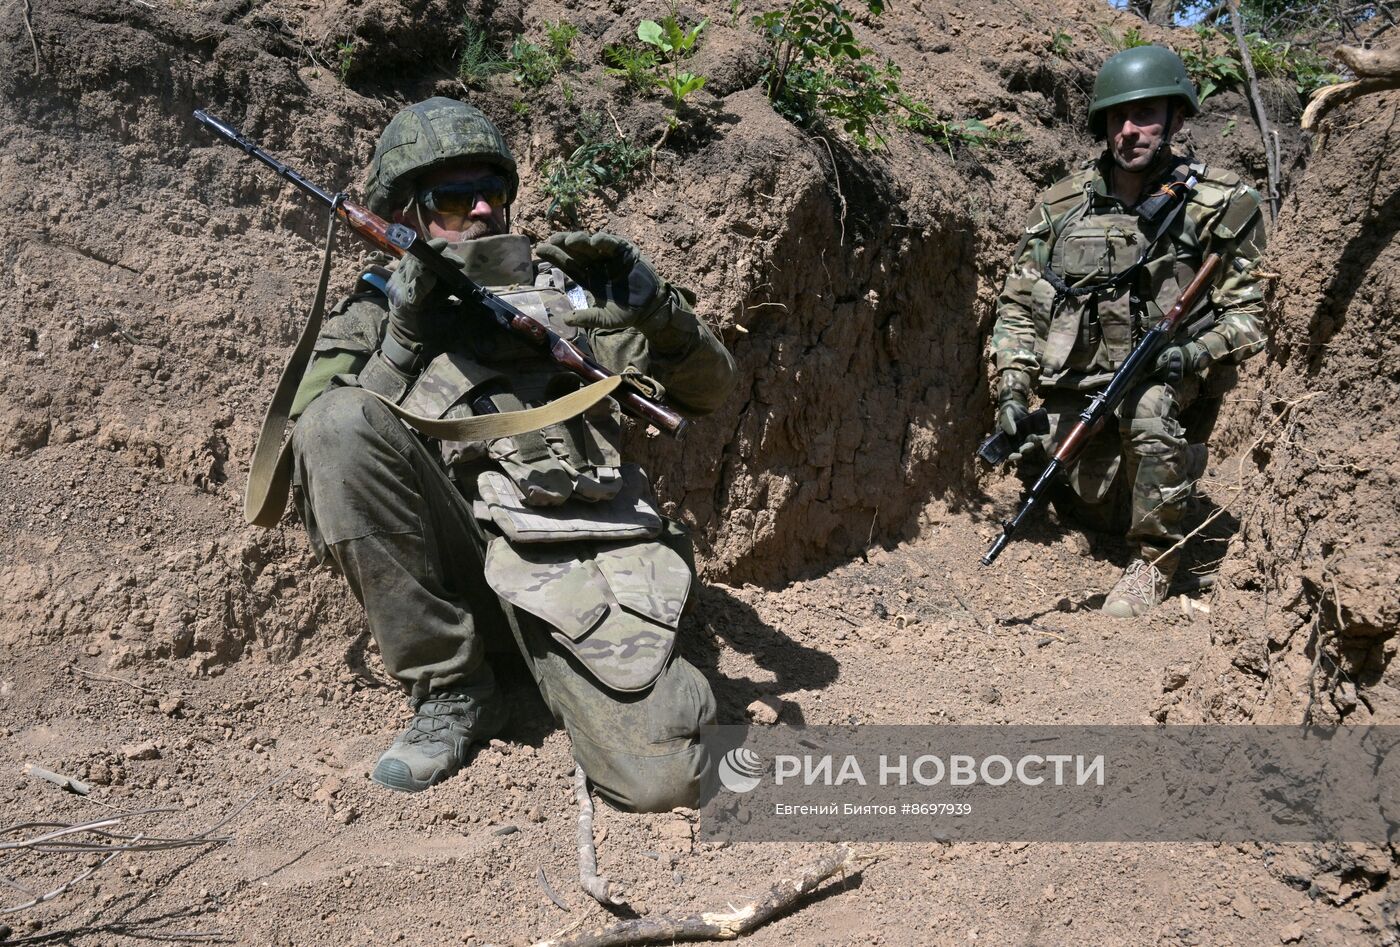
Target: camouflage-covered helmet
(1143, 72)
(428, 135)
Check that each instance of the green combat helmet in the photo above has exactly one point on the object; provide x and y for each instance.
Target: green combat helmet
(1143, 72)
(426, 136)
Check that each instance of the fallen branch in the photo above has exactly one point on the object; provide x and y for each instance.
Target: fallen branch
(598, 888)
(727, 924)
(1261, 117)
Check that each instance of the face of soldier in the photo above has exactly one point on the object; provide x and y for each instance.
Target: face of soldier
(458, 203)
(1136, 130)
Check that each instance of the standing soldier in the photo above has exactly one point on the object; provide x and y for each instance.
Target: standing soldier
(1105, 253)
(545, 542)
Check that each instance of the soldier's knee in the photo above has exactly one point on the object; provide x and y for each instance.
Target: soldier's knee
(661, 763)
(1155, 437)
(336, 424)
(635, 783)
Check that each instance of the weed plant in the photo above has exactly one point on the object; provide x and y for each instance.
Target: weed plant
(479, 60)
(819, 74)
(602, 159)
(535, 66)
(1214, 63)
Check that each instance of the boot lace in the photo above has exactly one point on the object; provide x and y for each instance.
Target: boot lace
(1142, 580)
(433, 715)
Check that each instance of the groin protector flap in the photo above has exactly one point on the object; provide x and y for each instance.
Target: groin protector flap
(549, 582)
(649, 579)
(619, 646)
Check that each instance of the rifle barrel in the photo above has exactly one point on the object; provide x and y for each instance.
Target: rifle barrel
(230, 134)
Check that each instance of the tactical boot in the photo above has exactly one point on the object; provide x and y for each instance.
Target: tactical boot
(1142, 586)
(445, 725)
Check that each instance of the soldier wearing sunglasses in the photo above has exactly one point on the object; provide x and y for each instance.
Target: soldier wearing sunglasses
(547, 544)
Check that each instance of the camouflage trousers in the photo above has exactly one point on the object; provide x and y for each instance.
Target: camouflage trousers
(380, 505)
(1132, 475)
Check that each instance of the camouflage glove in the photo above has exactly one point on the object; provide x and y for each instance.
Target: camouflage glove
(1177, 361)
(1013, 397)
(410, 290)
(627, 291)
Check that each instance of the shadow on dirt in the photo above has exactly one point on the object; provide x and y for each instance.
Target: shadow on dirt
(121, 921)
(722, 621)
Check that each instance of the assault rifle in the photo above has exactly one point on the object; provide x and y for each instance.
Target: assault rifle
(1137, 364)
(398, 240)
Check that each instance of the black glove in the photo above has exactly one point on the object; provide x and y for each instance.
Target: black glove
(627, 291)
(410, 292)
(1176, 361)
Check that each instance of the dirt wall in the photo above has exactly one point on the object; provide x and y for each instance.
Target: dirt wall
(158, 279)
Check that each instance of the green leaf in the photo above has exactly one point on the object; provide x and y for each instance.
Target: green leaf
(650, 33)
(689, 82)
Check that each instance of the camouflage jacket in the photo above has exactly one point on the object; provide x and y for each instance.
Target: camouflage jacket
(685, 359)
(1083, 234)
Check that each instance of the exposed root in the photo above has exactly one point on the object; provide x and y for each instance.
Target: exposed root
(727, 924)
(598, 888)
(29, 26)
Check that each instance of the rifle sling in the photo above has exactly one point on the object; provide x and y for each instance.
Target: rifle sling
(270, 473)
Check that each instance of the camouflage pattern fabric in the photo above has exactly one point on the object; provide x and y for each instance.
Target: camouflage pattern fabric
(378, 503)
(428, 135)
(1221, 214)
(615, 608)
(629, 515)
(1068, 348)
(1137, 468)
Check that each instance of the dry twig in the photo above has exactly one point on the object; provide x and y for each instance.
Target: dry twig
(61, 889)
(112, 680)
(1261, 117)
(29, 25)
(597, 887)
(58, 840)
(549, 891)
(727, 924)
(1239, 487)
(58, 779)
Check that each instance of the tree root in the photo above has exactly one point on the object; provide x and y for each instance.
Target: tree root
(1378, 70)
(726, 924)
(597, 887)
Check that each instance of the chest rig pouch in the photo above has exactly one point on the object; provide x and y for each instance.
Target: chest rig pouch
(575, 459)
(574, 531)
(1095, 257)
(1102, 282)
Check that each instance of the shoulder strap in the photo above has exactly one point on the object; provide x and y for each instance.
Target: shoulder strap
(270, 473)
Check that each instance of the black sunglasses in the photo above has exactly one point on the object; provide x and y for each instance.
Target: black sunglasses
(459, 198)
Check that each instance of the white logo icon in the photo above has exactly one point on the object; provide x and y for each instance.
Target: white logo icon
(740, 770)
